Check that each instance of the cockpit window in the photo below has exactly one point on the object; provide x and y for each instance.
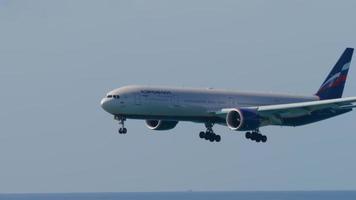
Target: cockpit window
(113, 96)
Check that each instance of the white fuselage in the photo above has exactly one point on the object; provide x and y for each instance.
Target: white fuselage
(144, 102)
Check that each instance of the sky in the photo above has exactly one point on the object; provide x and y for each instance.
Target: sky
(59, 58)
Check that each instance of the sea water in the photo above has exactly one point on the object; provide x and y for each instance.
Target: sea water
(315, 195)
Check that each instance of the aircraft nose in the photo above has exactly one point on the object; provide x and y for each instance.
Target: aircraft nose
(105, 104)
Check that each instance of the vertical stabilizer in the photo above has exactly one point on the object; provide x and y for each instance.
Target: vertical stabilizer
(333, 86)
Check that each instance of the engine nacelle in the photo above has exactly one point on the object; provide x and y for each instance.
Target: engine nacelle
(243, 120)
(160, 125)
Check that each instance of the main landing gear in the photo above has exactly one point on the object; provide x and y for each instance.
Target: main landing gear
(256, 136)
(122, 129)
(209, 134)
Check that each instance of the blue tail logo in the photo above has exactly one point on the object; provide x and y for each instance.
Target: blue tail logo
(333, 86)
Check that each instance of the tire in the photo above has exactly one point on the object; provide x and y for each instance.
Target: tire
(211, 138)
(248, 135)
(202, 134)
(253, 136)
(217, 138)
(264, 138)
(124, 130)
(258, 138)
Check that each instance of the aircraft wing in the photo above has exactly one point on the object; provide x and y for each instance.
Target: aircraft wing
(275, 114)
(341, 103)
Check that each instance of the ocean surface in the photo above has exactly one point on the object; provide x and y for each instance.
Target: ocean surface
(316, 195)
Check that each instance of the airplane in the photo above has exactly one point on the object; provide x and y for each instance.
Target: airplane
(163, 107)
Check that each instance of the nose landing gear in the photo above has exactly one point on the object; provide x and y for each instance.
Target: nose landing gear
(209, 134)
(122, 129)
(256, 136)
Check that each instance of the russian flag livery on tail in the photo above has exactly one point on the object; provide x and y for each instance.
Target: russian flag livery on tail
(163, 107)
(333, 86)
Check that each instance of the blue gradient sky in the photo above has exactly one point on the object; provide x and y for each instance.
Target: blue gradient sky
(59, 58)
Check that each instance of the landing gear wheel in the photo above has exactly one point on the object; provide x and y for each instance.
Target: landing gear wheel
(211, 138)
(256, 136)
(209, 133)
(264, 138)
(217, 138)
(258, 139)
(248, 135)
(202, 134)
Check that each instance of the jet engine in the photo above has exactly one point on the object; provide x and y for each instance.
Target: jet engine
(160, 125)
(243, 120)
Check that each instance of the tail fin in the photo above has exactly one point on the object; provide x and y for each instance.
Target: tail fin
(333, 86)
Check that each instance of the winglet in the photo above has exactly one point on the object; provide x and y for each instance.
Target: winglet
(333, 86)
